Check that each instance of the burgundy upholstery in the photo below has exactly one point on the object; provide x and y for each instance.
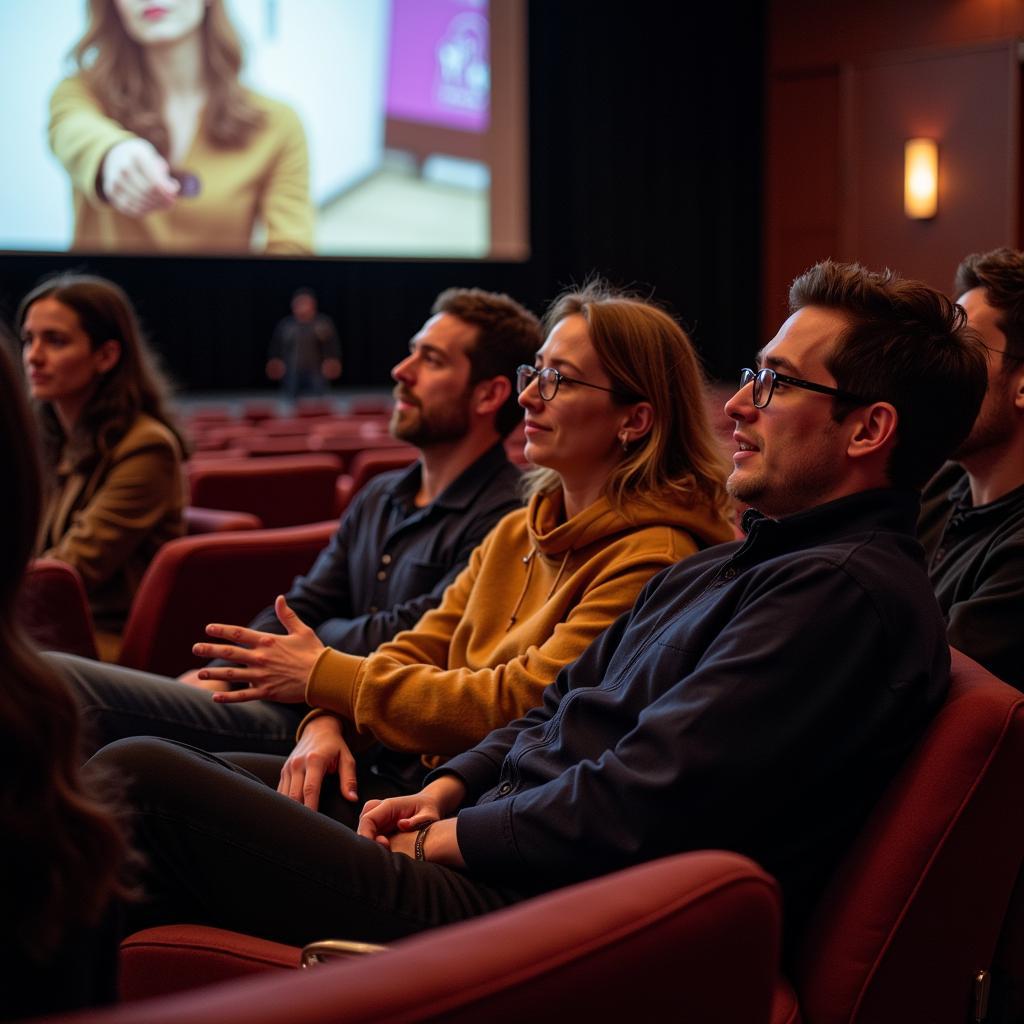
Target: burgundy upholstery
(346, 445)
(915, 909)
(366, 465)
(283, 491)
(175, 958)
(314, 407)
(257, 411)
(695, 935)
(263, 446)
(217, 520)
(54, 610)
(369, 405)
(213, 577)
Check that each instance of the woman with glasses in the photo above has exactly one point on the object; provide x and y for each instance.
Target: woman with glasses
(627, 481)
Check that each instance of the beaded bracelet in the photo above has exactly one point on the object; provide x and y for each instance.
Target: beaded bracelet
(421, 837)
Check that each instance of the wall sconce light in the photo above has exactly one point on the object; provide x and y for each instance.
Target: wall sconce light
(920, 178)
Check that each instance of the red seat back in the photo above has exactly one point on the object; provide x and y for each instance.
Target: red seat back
(692, 937)
(285, 491)
(914, 911)
(213, 577)
(54, 609)
(218, 520)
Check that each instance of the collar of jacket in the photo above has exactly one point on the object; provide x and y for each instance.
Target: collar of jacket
(464, 490)
(976, 515)
(890, 508)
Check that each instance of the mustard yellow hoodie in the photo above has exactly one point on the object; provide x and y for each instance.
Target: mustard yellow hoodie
(536, 592)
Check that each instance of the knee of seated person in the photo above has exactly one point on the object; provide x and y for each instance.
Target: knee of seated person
(139, 759)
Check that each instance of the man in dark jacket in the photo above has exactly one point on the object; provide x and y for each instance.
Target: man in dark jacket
(972, 511)
(758, 697)
(404, 538)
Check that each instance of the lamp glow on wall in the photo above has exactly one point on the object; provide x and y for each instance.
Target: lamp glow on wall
(920, 178)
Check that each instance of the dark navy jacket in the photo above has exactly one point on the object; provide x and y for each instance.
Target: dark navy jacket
(757, 698)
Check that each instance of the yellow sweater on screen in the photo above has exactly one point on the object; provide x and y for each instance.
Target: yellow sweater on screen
(536, 592)
(265, 182)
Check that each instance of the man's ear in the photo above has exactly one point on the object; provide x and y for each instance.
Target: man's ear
(1018, 391)
(873, 429)
(107, 355)
(490, 395)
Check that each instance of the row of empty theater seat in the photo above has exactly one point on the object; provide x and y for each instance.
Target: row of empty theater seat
(902, 933)
(213, 577)
(295, 469)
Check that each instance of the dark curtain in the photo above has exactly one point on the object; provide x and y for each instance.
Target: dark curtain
(644, 166)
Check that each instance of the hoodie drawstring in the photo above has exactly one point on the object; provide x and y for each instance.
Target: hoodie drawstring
(528, 561)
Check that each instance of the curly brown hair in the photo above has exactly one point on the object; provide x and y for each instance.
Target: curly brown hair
(113, 66)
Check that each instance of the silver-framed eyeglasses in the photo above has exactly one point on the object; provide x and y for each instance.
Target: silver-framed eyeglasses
(548, 380)
(764, 381)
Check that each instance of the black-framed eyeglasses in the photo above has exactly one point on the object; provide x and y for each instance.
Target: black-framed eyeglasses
(764, 381)
(548, 380)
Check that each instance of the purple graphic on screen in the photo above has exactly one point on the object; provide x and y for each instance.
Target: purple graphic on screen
(439, 69)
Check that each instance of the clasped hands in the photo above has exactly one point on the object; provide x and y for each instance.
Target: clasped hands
(275, 667)
(394, 822)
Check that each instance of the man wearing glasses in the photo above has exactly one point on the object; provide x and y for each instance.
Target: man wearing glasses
(758, 696)
(972, 511)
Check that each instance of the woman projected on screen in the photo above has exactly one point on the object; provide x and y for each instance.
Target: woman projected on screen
(166, 150)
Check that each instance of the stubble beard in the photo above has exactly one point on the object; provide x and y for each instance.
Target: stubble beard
(420, 428)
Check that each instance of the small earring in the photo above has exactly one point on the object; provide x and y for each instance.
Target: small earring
(624, 441)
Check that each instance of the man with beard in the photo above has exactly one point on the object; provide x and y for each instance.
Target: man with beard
(404, 538)
(758, 696)
(972, 513)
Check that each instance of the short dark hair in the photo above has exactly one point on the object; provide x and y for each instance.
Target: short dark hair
(1001, 273)
(508, 334)
(906, 344)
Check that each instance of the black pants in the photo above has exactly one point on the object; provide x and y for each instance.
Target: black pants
(118, 702)
(223, 848)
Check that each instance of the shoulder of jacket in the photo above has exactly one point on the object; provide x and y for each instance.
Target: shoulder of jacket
(147, 432)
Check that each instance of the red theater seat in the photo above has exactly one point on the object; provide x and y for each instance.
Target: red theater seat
(691, 937)
(213, 577)
(217, 520)
(54, 609)
(380, 405)
(284, 491)
(366, 465)
(914, 911)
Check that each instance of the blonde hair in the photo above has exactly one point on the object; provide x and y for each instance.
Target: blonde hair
(648, 357)
(113, 66)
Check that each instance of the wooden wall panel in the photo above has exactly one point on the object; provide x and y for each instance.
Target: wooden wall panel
(967, 100)
(802, 168)
(840, 101)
